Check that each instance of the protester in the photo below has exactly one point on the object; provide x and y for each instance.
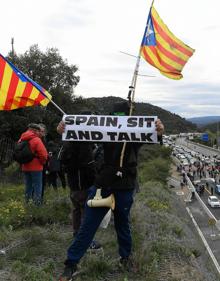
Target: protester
(121, 186)
(79, 164)
(61, 174)
(53, 164)
(43, 133)
(33, 169)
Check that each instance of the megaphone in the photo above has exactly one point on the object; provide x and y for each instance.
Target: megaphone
(98, 201)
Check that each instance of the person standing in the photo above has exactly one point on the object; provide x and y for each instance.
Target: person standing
(43, 134)
(33, 169)
(122, 186)
(53, 164)
(78, 159)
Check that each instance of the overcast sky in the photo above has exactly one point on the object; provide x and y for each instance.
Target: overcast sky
(91, 34)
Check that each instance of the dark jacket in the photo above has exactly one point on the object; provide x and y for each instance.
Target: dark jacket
(53, 164)
(107, 177)
(78, 160)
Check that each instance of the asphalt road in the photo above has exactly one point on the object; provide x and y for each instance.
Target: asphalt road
(204, 197)
(207, 226)
(205, 150)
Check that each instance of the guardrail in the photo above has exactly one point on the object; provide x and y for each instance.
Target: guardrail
(208, 212)
(204, 146)
(206, 209)
(214, 260)
(192, 190)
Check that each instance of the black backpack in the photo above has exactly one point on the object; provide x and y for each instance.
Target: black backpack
(22, 152)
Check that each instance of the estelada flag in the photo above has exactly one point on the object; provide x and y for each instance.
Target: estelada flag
(162, 49)
(17, 90)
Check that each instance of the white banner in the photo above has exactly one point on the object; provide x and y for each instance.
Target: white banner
(110, 128)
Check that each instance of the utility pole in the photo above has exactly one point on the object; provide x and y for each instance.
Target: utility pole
(217, 136)
(12, 48)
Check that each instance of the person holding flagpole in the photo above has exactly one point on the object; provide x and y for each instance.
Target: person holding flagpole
(110, 182)
(163, 50)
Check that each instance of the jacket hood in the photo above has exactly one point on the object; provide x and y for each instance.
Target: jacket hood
(28, 135)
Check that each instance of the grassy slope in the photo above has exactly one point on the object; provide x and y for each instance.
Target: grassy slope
(165, 246)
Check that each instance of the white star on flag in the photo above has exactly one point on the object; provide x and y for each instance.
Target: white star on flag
(149, 32)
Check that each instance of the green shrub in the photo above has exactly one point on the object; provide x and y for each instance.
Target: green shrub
(13, 173)
(14, 212)
(150, 152)
(156, 169)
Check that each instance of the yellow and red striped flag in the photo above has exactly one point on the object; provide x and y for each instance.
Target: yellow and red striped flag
(17, 90)
(162, 49)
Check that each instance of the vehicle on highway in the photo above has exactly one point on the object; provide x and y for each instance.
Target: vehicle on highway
(199, 187)
(184, 162)
(217, 189)
(193, 153)
(213, 201)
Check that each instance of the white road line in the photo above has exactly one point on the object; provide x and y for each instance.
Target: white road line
(204, 241)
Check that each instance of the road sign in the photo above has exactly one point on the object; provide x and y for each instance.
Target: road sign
(205, 137)
(211, 221)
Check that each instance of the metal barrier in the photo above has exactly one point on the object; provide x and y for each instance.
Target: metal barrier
(192, 189)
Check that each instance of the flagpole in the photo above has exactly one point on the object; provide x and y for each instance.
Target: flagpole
(152, 4)
(57, 106)
(132, 88)
(131, 95)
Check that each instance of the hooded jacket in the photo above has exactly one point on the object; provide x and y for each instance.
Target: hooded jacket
(107, 177)
(78, 160)
(38, 148)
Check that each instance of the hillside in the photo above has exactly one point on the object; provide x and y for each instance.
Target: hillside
(173, 122)
(165, 244)
(204, 120)
(212, 127)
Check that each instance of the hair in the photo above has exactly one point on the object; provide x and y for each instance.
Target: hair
(42, 126)
(34, 126)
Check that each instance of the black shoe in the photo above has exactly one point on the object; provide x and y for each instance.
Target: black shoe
(127, 264)
(95, 245)
(68, 273)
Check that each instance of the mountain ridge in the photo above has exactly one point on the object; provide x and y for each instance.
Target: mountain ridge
(204, 120)
(174, 124)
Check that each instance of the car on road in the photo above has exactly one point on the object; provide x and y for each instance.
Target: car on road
(184, 162)
(199, 187)
(213, 201)
(217, 189)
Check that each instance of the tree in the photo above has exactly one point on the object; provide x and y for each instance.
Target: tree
(53, 73)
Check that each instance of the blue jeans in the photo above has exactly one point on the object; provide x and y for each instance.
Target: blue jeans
(92, 219)
(33, 186)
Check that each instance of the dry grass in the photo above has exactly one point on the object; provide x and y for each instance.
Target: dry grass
(164, 243)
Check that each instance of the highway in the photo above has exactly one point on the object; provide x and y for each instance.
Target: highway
(210, 152)
(205, 150)
(205, 218)
(209, 227)
(204, 197)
